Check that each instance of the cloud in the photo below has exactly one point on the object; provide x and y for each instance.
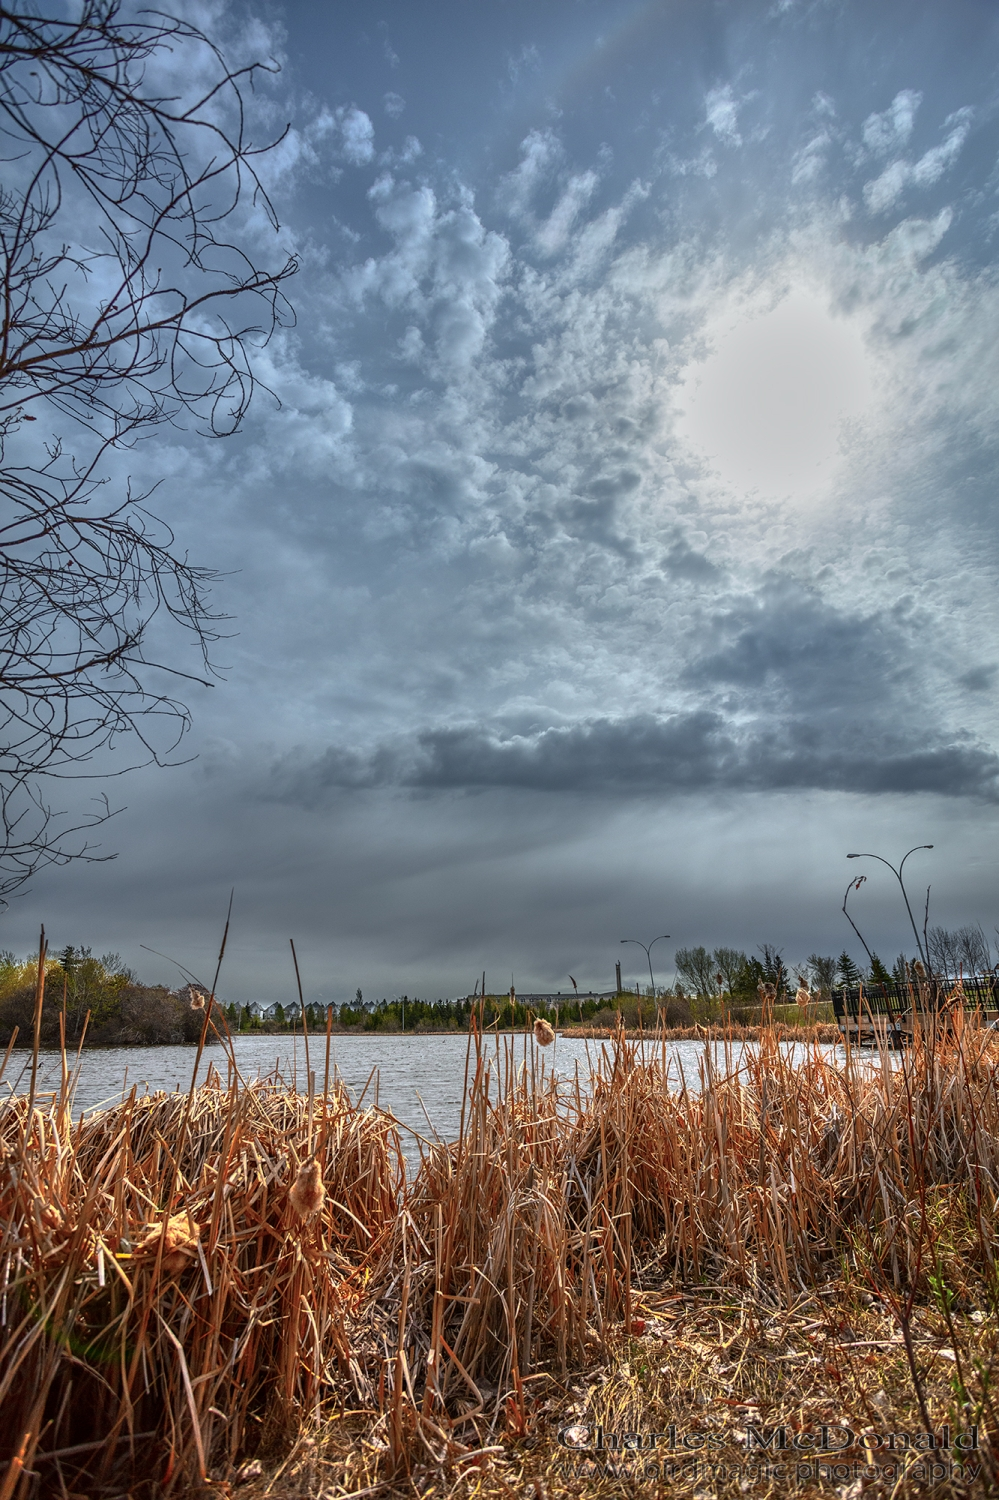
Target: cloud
(683, 561)
(883, 192)
(345, 133)
(702, 165)
(648, 754)
(810, 160)
(393, 104)
(721, 112)
(552, 235)
(526, 61)
(389, 52)
(511, 483)
(891, 130)
(357, 135)
(791, 642)
(595, 240)
(541, 150)
(446, 267)
(979, 679)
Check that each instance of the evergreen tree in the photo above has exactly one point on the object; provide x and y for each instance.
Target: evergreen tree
(749, 979)
(879, 974)
(849, 974)
(774, 968)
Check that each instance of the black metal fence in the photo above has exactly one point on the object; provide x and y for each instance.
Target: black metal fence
(856, 1003)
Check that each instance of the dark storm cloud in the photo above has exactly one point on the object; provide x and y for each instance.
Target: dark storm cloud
(796, 693)
(596, 521)
(979, 679)
(790, 640)
(646, 754)
(683, 561)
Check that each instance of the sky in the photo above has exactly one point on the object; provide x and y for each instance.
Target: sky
(616, 549)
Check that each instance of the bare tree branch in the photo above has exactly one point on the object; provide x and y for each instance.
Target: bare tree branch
(125, 304)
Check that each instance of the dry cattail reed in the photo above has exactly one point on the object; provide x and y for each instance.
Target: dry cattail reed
(544, 1032)
(516, 1249)
(275, 1315)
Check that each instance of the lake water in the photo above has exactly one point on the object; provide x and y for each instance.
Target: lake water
(420, 1078)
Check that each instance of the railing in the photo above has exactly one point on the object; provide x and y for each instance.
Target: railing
(856, 1003)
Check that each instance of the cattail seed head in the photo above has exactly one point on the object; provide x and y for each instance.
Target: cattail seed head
(544, 1034)
(197, 1000)
(307, 1192)
(180, 1235)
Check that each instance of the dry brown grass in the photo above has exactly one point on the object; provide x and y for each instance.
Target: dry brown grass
(826, 1032)
(797, 1241)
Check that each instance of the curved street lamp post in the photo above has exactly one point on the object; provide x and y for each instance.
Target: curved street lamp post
(905, 897)
(648, 954)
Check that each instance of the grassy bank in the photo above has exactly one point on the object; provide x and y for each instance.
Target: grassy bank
(239, 1291)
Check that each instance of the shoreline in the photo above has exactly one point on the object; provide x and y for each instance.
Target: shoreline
(822, 1031)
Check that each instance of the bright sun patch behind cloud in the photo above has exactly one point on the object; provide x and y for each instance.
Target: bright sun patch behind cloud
(767, 406)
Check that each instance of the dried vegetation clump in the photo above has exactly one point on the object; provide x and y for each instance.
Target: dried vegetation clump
(241, 1284)
(826, 1032)
(174, 1267)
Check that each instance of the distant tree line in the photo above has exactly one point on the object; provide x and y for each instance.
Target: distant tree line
(401, 1014)
(409, 1014)
(98, 996)
(102, 997)
(729, 973)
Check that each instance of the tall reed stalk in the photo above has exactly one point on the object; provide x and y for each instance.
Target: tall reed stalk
(169, 1307)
